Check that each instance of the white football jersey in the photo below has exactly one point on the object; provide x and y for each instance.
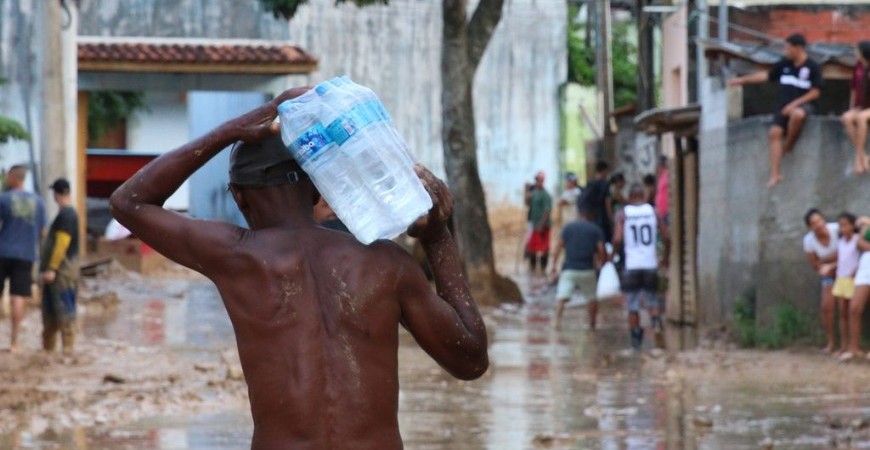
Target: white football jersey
(640, 233)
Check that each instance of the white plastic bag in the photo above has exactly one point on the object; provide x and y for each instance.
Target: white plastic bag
(608, 282)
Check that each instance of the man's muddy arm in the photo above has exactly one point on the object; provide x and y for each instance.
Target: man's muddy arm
(446, 324)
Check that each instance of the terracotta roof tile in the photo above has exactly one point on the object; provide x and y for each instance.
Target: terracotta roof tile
(199, 53)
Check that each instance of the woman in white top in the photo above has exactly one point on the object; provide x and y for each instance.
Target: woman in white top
(820, 246)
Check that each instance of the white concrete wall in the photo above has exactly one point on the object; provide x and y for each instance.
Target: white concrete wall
(21, 62)
(396, 50)
(161, 127)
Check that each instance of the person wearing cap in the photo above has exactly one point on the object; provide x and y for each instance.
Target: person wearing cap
(22, 222)
(856, 119)
(568, 199)
(538, 239)
(315, 312)
(59, 267)
(800, 83)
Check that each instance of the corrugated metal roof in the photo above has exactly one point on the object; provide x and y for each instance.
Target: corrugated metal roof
(768, 54)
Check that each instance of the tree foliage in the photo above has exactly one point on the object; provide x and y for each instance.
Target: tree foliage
(581, 61)
(109, 109)
(10, 129)
(286, 9)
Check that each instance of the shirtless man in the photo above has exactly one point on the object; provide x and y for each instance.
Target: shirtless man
(315, 312)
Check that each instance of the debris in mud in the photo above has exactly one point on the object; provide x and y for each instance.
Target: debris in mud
(543, 440)
(112, 378)
(766, 444)
(702, 421)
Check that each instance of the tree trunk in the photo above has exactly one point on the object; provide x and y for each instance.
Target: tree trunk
(463, 45)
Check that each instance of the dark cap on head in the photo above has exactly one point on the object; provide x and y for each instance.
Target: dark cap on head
(797, 40)
(262, 164)
(60, 185)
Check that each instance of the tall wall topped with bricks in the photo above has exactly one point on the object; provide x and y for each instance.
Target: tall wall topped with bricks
(844, 24)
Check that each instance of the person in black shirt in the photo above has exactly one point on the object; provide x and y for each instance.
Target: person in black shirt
(596, 199)
(60, 272)
(800, 83)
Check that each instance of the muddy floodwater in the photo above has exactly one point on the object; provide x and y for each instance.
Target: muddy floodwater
(548, 389)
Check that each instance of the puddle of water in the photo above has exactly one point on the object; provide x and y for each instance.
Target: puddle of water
(558, 390)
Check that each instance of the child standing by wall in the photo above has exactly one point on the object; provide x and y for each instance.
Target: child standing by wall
(844, 286)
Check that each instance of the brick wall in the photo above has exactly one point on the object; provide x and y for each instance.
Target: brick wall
(838, 24)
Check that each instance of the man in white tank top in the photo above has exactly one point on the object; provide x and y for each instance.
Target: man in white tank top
(637, 231)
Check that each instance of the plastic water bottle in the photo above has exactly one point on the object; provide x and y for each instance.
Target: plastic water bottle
(342, 136)
(350, 126)
(318, 155)
(392, 152)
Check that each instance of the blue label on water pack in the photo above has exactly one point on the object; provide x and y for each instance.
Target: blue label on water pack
(310, 143)
(346, 125)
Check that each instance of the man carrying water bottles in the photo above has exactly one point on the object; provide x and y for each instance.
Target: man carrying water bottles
(315, 312)
(636, 230)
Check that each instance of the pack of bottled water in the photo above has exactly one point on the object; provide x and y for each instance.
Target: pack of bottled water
(343, 138)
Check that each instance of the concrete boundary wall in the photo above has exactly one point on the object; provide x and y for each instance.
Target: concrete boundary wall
(750, 237)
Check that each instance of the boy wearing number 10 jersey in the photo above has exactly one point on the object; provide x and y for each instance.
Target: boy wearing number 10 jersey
(637, 232)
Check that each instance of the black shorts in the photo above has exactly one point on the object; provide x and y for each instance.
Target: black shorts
(20, 276)
(781, 121)
(640, 280)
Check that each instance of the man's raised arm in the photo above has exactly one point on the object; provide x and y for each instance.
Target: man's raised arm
(447, 325)
(138, 203)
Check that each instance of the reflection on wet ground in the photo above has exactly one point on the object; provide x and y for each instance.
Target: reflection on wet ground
(568, 389)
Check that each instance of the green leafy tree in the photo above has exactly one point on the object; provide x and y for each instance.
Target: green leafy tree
(464, 39)
(581, 61)
(108, 109)
(11, 129)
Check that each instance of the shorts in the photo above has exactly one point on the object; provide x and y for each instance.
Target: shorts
(569, 280)
(20, 275)
(58, 306)
(827, 281)
(781, 121)
(862, 277)
(844, 287)
(640, 286)
(640, 279)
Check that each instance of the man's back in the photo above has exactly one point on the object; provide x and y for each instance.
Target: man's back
(23, 217)
(581, 239)
(318, 334)
(315, 312)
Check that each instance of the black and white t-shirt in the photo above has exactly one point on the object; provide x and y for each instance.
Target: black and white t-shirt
(641, 233)
(795, 81)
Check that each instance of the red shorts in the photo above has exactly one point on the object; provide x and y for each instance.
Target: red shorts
(539, 241)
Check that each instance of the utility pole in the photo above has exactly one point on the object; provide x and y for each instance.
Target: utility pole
(52, 115)
(723, 20)
(604, 77)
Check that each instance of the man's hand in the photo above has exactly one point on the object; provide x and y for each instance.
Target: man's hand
(734, 82)
(554, 272)
(433, 224)
(787, 109)
(259, 123)
(49, 276)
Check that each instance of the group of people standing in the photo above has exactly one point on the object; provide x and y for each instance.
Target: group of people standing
(22, 228)
(800, 84)
(840, 253)
(600, 224)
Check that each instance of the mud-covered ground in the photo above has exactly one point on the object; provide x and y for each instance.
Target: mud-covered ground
(156, 368)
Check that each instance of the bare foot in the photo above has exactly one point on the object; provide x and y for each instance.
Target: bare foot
(774, 180)
(860, 164)
(14, 349)
(865, 163)
(828, 349)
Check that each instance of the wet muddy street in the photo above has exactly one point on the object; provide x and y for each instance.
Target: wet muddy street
(548, 389)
